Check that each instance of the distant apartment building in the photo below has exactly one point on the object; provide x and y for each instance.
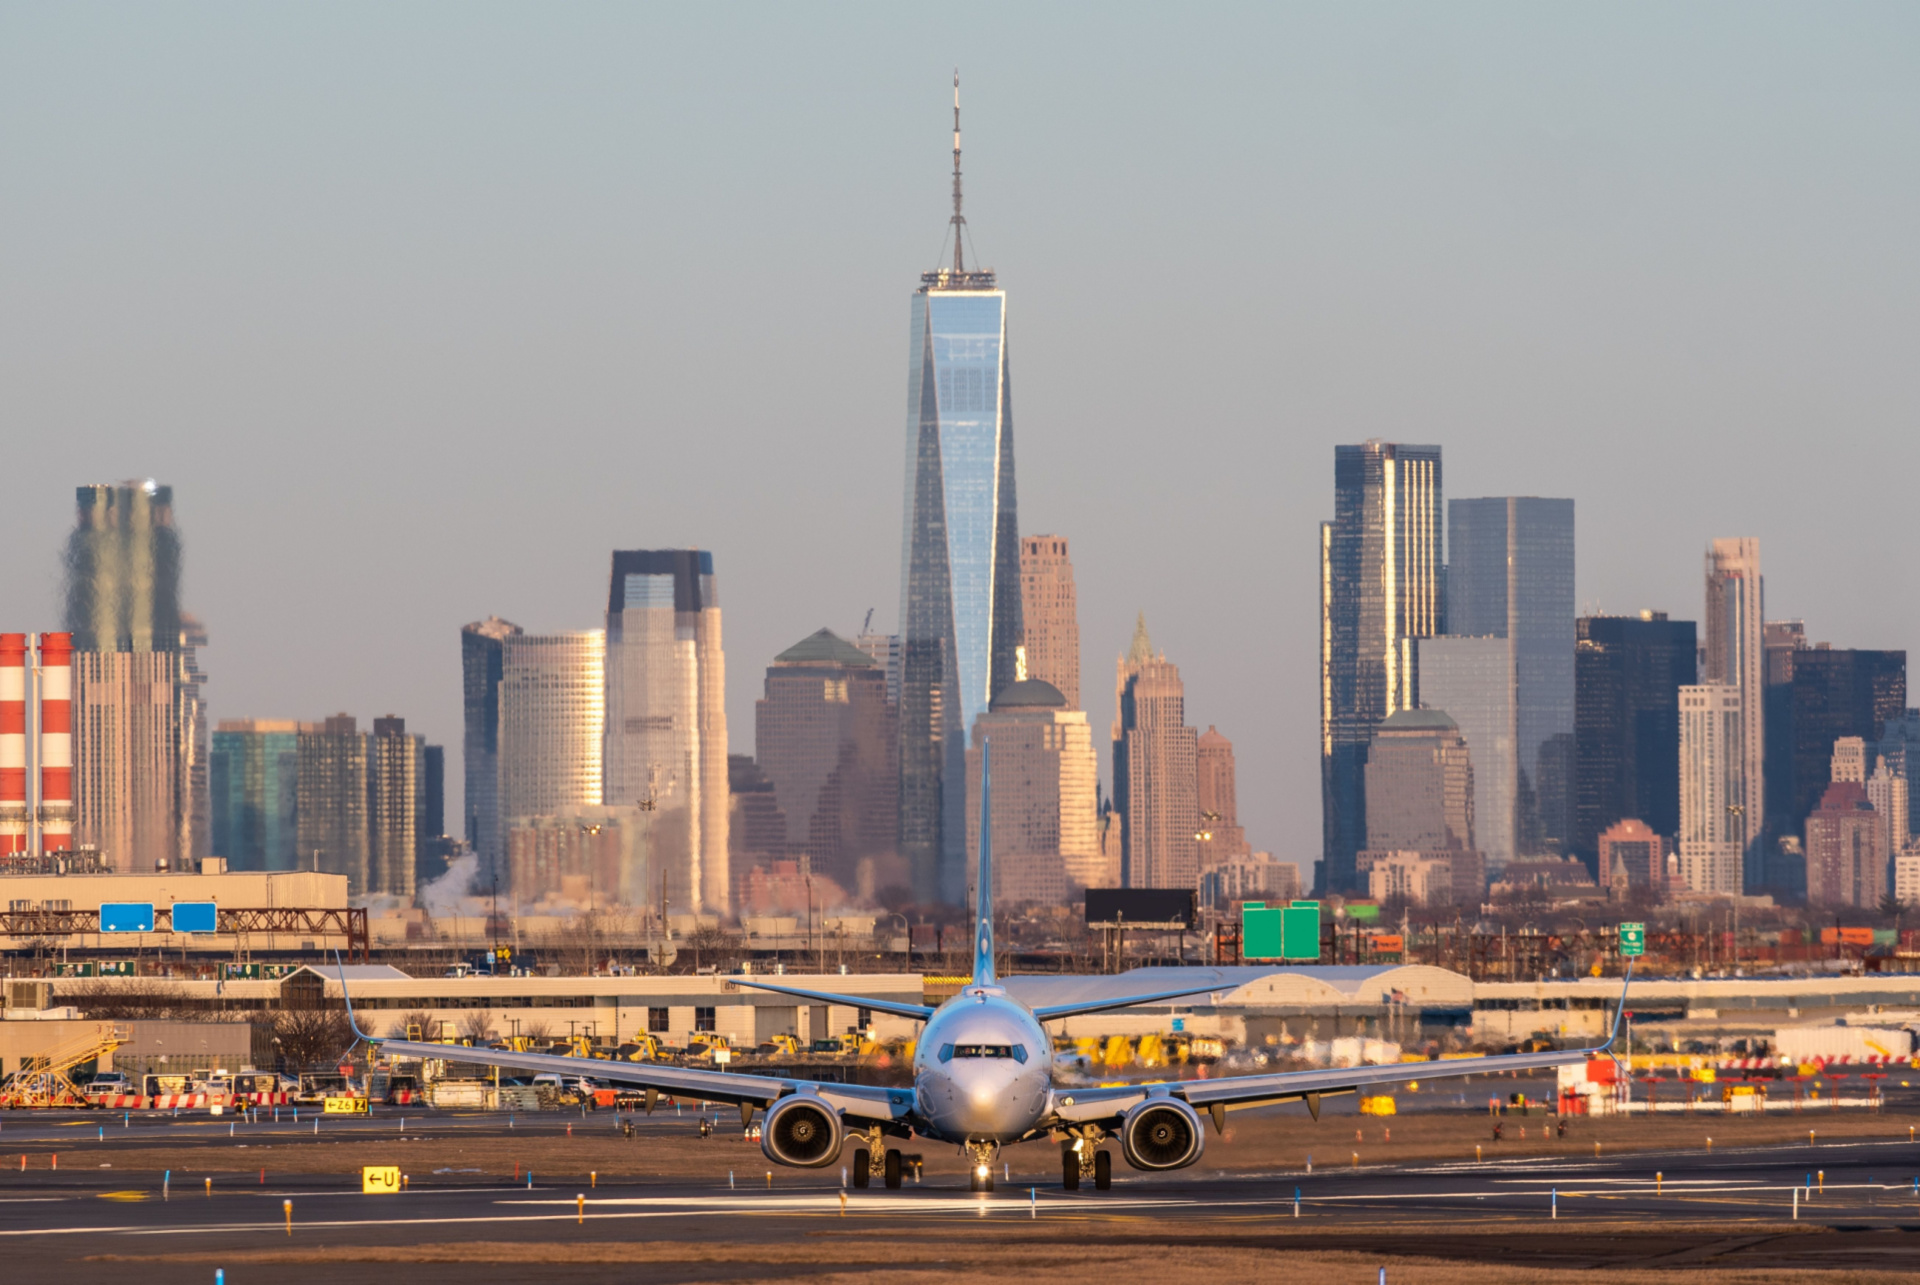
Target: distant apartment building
(1253, 876)
(1049, 612)
(825, 738)
(1221, 836)
(1818, 695)
(1887, 792)
(396, 798)
(1846, 866)
(666, 719)
(1045, 779)
(332, 833)
(1155, 774)
(1713, 781)
(1900, 746)
(1421, 878)
(582, 858)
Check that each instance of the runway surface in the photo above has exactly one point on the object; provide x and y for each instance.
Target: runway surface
(1857, 1203)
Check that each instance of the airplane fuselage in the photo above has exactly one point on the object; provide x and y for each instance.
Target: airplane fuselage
(982, 1071)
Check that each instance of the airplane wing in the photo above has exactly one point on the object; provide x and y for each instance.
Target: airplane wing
(1218, 1096)
(866, 1101)
(918, 1012)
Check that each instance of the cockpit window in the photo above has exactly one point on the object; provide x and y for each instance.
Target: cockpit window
(946, 1052)
(1020, 1054)
(984, 1050)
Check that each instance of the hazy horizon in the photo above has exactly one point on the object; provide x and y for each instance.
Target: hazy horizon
(423, 310)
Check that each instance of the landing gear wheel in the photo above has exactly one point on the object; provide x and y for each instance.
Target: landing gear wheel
(861, 1165)
(893, 1169)
(982, 1182)
(1103, 1171)
(1069, 1167)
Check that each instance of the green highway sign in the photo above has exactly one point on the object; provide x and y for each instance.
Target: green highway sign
(1633, 940)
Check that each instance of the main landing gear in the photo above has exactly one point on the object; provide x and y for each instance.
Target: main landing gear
(1081, 1159)
(873, 1161)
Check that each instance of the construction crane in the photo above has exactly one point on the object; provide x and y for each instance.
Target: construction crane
(45, 1080)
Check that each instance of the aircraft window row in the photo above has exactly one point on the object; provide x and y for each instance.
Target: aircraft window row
(1017, 1052)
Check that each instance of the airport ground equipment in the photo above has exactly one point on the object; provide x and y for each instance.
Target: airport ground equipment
(46, 1079)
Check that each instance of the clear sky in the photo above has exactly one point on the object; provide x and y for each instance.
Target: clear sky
(423, 309)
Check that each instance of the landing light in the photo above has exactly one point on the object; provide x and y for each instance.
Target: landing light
(982, 1170)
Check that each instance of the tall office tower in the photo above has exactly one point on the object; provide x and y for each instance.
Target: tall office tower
(13, 744)
(483, 647)
(330, 830)
(1155, 771)
(127, 796)
(1822, 695)
(1900, 746)
(1049, 610)
(1420, 785)
(667, 715)
(553, 709)
(1887, 792)
(824, 735)
(1221, 836)
(1846, 866)
(960, 551)
(1735, 654)
(253, 774)
(1380, 589)
(1045, 779)
(123, 570)
(1713, 785)
(583, 858)
(396, 789)
(884, 651)
(1628, 672)
(1471, 680)
(1510, 576)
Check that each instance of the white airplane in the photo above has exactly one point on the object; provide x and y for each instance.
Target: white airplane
(982, 1080)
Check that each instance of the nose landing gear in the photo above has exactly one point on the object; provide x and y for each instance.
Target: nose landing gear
(981, 1172)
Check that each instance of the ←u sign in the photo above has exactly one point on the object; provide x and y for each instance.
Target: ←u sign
(380, 1180)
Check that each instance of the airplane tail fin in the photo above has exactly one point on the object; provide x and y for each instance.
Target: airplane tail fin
(983, 974)
(352, 1022)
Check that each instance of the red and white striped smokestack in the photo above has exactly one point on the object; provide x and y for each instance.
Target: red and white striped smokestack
(56, 742)
(13, 743)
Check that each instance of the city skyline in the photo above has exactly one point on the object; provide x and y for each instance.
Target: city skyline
(475, 361)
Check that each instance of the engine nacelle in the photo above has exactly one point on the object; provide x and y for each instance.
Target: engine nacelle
(801, 1130)
(1161, 1133)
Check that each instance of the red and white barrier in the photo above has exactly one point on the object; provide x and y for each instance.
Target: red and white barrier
(186, 1101)
(13, 743)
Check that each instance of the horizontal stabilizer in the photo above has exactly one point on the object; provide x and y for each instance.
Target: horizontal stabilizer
(1050, 1012)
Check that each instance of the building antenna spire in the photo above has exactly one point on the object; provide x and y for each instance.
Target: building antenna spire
(959, 220)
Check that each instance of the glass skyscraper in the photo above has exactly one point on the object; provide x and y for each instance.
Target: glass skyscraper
(960, 561)
(1380, 590)
(1510, 576)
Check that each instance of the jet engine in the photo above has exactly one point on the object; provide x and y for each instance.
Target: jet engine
(1161, 1133)
(801, 1130)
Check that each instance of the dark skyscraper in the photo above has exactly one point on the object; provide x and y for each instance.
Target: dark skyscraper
(1380, 589)
(960, 552)
(1818, 695)
(482, 654)
(1628, 672)
(824, 738)
(1510, 575)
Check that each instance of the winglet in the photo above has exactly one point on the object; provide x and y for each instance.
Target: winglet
(342, 971)
(983, 898)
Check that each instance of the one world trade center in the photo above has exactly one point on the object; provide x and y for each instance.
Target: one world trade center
(960, 552)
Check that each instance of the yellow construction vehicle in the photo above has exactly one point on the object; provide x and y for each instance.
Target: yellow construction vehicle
(46, 1079)
(641, 1048)
(780, 1046)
